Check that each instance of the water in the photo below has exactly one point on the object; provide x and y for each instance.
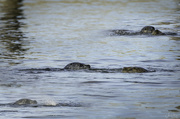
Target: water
(39, 34)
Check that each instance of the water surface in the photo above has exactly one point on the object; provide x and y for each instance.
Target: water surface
(38, 34)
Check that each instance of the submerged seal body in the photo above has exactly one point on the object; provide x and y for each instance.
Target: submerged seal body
(25, 102)
(157, 32)
(134, 70)
(147, 30)
(77, 66)
(122, 32)
(80, 66)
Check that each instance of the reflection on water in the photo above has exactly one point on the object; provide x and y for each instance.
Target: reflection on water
(40, 37)
(11, 36)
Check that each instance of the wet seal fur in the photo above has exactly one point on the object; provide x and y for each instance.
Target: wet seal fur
(77, 66)
(33, 103)
(147, 30)
(150, 30)
(134, 70)
(80, 66)
(25, 102)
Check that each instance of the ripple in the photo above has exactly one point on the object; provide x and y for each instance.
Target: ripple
(104, 96)
(11, 85)
(142, 82)
(8, 111)
(47, 104)
(95, 82)
(49, 116)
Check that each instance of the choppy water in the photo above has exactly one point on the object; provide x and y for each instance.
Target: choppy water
(39, 34)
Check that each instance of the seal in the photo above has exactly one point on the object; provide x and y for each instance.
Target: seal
(25, 102)
(76, 66)
(134, 70)
(147, 30)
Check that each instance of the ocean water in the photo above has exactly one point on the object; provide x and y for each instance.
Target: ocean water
(36, 35)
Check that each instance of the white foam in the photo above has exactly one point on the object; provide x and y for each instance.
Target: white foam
(49, 101)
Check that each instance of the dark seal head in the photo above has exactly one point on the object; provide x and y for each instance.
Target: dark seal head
(147, 30)
(134, 70)
(25, 102)
(77, 66)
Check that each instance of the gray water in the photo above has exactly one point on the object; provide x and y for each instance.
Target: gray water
(39, 34)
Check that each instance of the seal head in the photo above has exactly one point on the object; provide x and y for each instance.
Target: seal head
(77, 66)
(147, 30)
(25, 102)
